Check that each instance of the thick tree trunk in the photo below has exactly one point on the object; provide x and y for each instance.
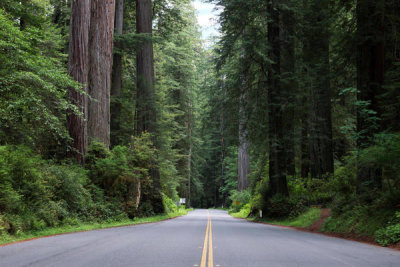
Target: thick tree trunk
(244, 146)
(146, 110)
(277, 157)
(288, 84)
(117, 74)
(78, 69)
(100, 60)
(370, 78)
(317, 58)
(146, 102)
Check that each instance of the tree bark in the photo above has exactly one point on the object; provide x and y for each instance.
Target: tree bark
(117, 74)
(277, 158)
(244, 146)
(146, 102)
(370, 78)
(100, 59)
(288, 84)
(146, 111)
(223, 152)
(190, 146)
(317, 59)
(78, 65)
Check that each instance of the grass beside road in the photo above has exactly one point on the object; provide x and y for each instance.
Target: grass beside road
(87, 227)
(304, 220)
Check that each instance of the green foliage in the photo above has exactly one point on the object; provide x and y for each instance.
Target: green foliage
(305, 219)
(391, 233)
(312, 190)
(33, 86)
(353, 218)
(230, 167)
(169, 205)
(70, 185)
(279, 206)
(122, 171)
(239, 199)
(23, 185)
(384, 154)
(244, 212)
(35, 194)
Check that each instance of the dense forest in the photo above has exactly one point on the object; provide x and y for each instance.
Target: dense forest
(116, 109)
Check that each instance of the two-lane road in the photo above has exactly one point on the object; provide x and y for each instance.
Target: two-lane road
(202, 238)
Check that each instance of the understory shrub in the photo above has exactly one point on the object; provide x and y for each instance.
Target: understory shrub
(169, 204)
(35, 194)
(244, 211)
(123, 174)
(239, 199)
(280, 206)
(391, 233)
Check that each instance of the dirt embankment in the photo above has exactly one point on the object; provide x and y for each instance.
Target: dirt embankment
(316, 226)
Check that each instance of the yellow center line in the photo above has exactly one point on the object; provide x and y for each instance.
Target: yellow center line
(208, 241)
(210, 248)
(204, 255)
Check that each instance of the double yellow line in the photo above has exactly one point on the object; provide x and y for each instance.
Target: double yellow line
(208, 241)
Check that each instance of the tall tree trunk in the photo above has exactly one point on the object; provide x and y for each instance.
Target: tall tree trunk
(146, 110)
(244, 147)
(317, 58)
(288, 84)
(78, 69)
(370, 78)
(189, 165)
(100, 59)
(146, 102)
(117, 74)
(305, 150)
(223, 153)
(189, 145)
(277, 157)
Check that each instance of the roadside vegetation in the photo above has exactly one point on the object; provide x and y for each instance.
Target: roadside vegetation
(373, 215)
(307, 96)
(88, 226)
(39, 197)
(294, 105)
(63, 168)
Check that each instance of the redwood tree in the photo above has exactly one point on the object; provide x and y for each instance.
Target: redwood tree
(101, 36)
(277, 156)
(146, 102)
(244, 145)
(316, 57)
(117, 72)
(78, 66)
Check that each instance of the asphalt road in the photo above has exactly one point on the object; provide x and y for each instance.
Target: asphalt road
(202, 238)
